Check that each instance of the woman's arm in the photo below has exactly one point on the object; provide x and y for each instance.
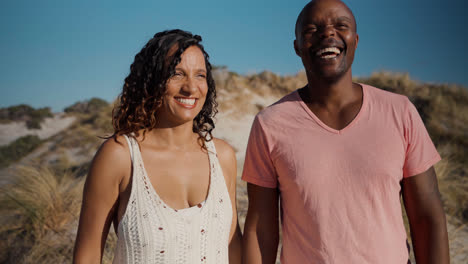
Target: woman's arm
(227, 159)
(100, 199)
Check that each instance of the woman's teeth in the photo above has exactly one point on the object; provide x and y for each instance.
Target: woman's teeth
(186, 101)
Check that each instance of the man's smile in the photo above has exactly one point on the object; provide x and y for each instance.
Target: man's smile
(328, 53)
(327, 50)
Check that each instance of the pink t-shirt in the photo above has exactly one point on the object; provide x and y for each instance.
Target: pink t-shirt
(340, 189)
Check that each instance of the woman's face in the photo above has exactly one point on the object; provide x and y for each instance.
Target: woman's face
(186, 90)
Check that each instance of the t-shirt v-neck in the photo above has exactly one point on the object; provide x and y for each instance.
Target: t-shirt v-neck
(325, 126)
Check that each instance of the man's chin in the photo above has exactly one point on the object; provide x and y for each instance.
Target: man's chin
(334, 70)
(330, 75)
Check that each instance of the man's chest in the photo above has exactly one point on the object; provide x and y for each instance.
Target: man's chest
(314, 160)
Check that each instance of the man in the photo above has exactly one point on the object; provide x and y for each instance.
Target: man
(338, 154)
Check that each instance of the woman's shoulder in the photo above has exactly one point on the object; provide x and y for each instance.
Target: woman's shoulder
(115, 146)
(114, 153)
(228, 162)
(223, 148)
(226, 154)
(111, 164)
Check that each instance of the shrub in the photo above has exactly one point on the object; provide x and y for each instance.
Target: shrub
(33, 117)
(16, 112)
(37, 116)
(18, 149)
(92, 106)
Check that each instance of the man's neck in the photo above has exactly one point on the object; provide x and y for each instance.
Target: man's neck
(335, 103)
(326, 93)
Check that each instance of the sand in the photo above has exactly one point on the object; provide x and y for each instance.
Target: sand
(49, 127)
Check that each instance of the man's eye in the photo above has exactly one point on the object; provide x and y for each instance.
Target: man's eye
(311, 30)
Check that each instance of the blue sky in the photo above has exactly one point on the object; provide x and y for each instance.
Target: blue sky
(54, 53)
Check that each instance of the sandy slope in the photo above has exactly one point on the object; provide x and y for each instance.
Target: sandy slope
(50, 126)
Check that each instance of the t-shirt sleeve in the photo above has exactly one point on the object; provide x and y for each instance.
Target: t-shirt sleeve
(421, 153)
(258, 167)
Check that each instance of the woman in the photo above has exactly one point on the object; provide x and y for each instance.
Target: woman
(165, 183)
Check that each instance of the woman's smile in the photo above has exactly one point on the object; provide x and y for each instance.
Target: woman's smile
(186, 102)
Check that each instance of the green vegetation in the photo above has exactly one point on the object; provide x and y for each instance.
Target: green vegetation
(33, 117)
(93, 105)
(18, 149)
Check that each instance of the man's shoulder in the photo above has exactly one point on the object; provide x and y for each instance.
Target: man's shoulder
(288, 104)
(380, 96)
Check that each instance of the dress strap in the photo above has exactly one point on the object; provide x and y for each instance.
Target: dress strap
(211, 147)
(130, 147)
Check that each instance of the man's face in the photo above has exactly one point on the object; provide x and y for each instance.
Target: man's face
(326, 39)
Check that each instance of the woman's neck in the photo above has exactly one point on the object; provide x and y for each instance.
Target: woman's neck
(177, 137)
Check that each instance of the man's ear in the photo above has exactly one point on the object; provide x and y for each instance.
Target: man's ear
(296, 48)
(357, 40)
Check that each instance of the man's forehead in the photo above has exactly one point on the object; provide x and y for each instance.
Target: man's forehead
(322, 7)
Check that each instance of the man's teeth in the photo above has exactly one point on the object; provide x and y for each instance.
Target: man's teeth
(334, 50)
(186, 101)
(329, 56)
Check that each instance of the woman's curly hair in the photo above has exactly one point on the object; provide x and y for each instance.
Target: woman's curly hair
(145, 86)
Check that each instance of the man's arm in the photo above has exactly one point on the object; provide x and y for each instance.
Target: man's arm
(426, 217)
(261, 231)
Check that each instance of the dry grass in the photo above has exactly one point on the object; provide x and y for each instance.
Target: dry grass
(39, 215)
(85, 135)
(40, 209)
(453, 192)
(453, 188)
(240, 95)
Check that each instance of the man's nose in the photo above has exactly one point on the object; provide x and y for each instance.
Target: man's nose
(327, 31)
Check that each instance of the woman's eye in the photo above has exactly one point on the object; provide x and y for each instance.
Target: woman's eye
(177, 75)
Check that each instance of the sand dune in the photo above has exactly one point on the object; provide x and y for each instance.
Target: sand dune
(50, 126)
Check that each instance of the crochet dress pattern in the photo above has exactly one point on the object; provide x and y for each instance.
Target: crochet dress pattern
(152, 232)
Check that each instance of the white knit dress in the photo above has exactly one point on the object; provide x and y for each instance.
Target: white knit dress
(152, 232)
